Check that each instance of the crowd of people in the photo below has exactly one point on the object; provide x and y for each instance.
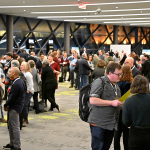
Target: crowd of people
(24, 76)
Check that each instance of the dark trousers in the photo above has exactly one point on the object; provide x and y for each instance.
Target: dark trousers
(101, 138)
(26, 105)
(1, 113)
(77, 81)
(49, 94)
(14, 129)
(72, 77)
(36, 104)
(139, 139)
(65, 69)
(90, 79)
(117, 135)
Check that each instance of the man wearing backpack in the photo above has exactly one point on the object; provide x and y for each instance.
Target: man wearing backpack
(104, 106)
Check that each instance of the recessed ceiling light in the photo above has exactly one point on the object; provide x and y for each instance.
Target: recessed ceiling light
(141, 11)
(116, 7)
(84, 18)
(121, 17)
(95, 13)
(24, 10)
(23, 1)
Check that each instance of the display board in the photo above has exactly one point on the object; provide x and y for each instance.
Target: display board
(146, 51)
(119, 47)
(76, 49)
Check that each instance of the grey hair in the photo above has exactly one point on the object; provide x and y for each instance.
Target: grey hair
(45, 62)
(83, 55)
(15, 63)
(31, 63)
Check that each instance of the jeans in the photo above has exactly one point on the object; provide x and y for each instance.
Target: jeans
(84, 79)
(26, 105)
(101, 138)
(72, 77)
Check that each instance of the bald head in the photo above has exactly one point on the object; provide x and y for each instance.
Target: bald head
(129, 61)
(14, 72)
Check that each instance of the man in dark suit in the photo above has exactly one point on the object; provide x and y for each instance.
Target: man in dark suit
(129, 61)
(83, 51)
(14, 105)
(32, 57)
(39, 62)
(145, 71)
(23, 54)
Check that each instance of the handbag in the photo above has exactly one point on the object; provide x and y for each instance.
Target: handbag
(38, 77)
(1, 94)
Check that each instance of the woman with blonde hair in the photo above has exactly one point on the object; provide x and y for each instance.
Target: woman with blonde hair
(95, 60)
(25, 68)
(124, 84)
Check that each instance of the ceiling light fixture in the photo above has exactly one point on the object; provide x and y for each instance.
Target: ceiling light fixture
(23, 1)
(126, 21)
(97, 16)
(118, 10)
(24, 10)
(116, 7)
(98, 10)
(61, 12)
(119, 19)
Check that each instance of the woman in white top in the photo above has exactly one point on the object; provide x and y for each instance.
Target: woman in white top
(116, 57)
(25, 68)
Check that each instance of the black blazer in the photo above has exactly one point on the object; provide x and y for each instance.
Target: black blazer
(48, 76)
(135, 72)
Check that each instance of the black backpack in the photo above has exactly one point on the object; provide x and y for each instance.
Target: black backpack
(84, 96)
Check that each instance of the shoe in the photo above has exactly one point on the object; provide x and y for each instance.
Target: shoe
(58, 108)
(51, 109)
(76, 88)
(26, 120)
(24, 124)
(70, 86)
(4, 121)
(8, 146)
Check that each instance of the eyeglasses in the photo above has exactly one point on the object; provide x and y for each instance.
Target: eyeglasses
(120, 74)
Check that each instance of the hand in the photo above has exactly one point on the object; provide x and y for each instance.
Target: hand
(55, 71)
(6, 108)
(72, 64)
(5, 67)
(28, 91)
(116, 103)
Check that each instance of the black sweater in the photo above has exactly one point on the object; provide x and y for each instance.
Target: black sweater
(136, 110)
(16, 96)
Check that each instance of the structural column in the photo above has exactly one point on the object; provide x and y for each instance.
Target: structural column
(115, 35)
(136, 35)
(67, 37)
(9, 32)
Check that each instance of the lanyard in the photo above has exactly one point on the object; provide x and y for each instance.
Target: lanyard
(114, 88)
(132, 68)
(15, 80)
